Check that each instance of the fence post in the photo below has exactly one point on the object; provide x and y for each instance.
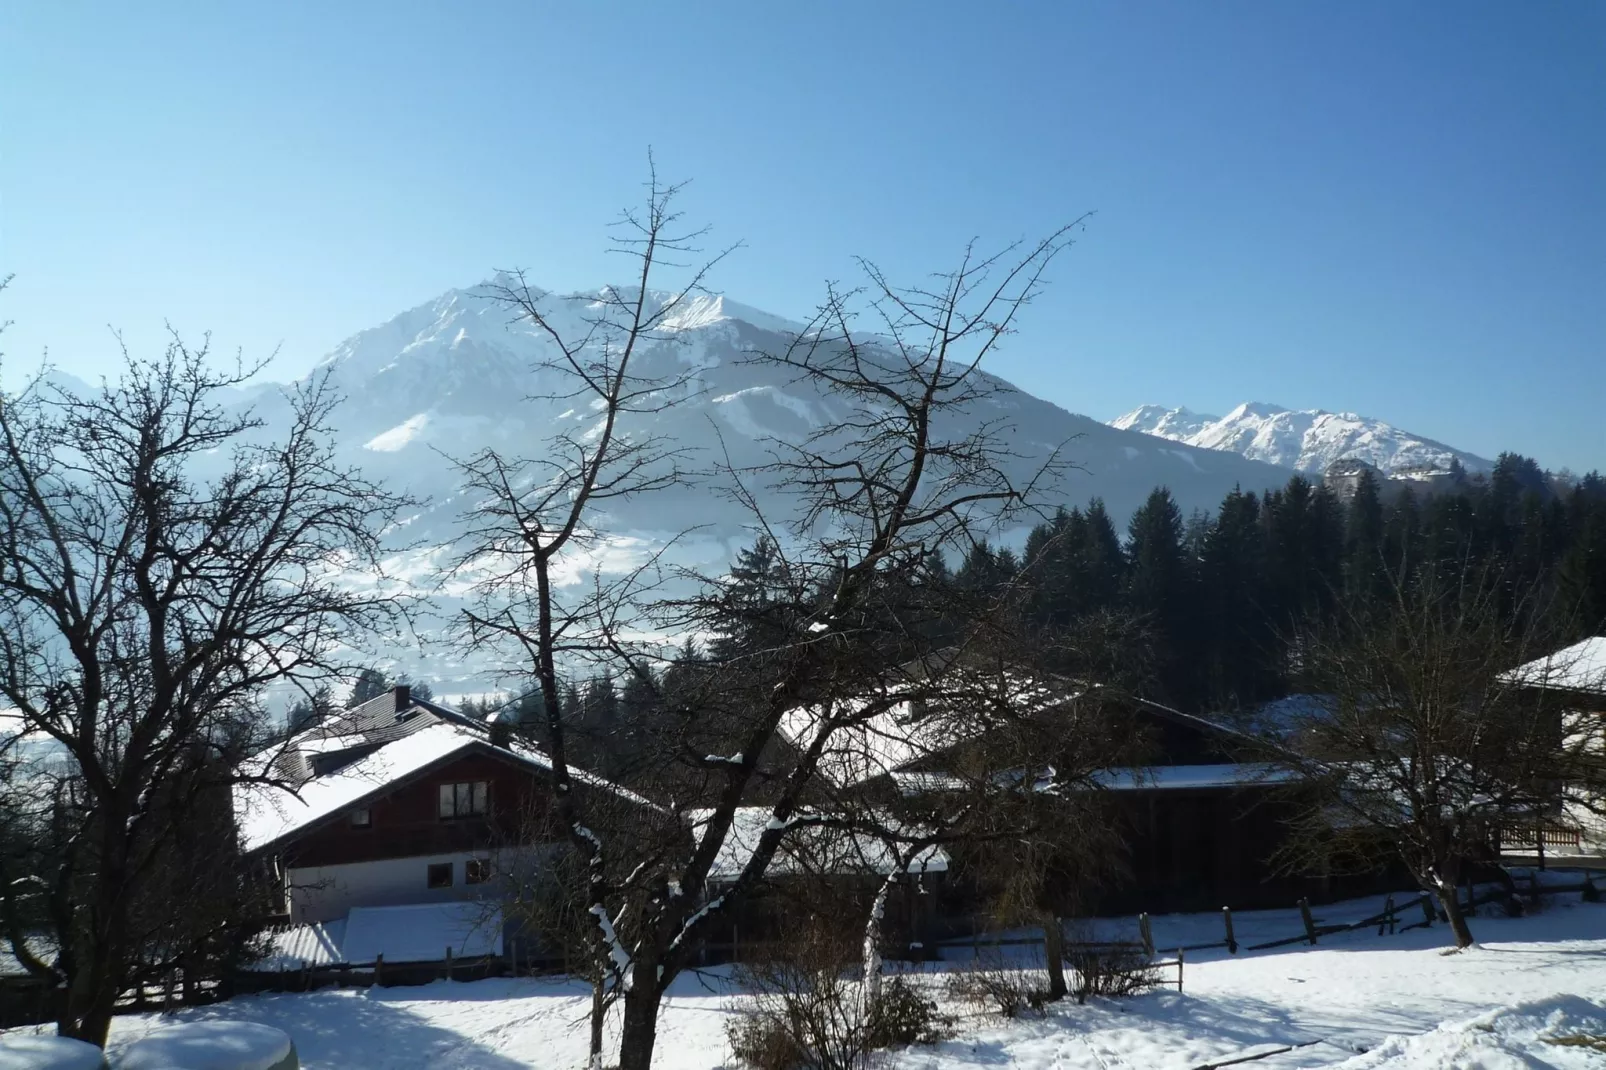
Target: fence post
(1310, 923)
(379, 971)
(1591, 893)
(1387, 921)
(1180, 954)
(1429, 915)
(1148, 936)
(1232, 941)
(448, 962)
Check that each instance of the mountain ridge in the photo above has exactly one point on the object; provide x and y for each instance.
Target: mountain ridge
(1307, 440)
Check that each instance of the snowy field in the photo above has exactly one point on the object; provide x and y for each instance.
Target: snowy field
(1529, 995)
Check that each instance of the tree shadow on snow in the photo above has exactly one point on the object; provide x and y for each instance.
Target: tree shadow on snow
(342, 1028)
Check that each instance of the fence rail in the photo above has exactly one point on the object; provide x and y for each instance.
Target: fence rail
(1530, 837)
(1392, 919)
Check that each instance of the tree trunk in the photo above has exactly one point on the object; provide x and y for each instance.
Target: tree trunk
(872, 943)
(89, 1009)
(640, 1027)
(1054, 952)
(599, 1018)
(1450, 902)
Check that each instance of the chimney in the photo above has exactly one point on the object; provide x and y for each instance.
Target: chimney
(404, 696)
(500, 734)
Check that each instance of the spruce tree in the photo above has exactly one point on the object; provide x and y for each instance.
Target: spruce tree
(1242, 662)
(371, 683)
(1365, 553)
(1158, 587)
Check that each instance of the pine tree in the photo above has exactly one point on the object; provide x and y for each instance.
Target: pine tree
(1365, 553)
(758, 602)
(371, 683)
(1242, 661)
(1158, 587)
(308, 711)
(1103, 563)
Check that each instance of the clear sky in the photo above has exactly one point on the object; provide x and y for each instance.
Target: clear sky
(1392, 208)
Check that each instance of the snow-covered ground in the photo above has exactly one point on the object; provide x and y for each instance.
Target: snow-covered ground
(1529, 995)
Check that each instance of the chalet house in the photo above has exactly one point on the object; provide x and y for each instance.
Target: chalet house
(398, 802)
(1201, 826)
(1574, 679)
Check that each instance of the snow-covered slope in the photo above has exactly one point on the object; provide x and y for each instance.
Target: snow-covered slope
(1306, 439)
(454, 376)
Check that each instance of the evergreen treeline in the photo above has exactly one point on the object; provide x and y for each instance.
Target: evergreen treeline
(1222, 595)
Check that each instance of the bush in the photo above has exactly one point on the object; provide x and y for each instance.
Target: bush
(761, 1040)
(808, 1011)
(1109, 971)
(989, 985)
(902, 1016)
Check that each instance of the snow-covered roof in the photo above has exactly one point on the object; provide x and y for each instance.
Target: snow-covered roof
(267, 812)
(910, 731)
(414, 932)
(1580, 667)
(807, 848)
(294, 947)
(1183, 777)
(422, 932)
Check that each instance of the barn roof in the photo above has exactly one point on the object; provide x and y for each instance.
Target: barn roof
(1580, 667)
(809, 848)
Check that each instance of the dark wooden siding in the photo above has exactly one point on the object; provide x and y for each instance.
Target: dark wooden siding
(406, 822)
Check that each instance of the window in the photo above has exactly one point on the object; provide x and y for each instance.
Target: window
(464, 800)
(440, 875)
(361, 818)
(476, 871)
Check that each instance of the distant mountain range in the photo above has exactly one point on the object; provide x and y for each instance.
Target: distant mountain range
(453, 376)
(1308, 440)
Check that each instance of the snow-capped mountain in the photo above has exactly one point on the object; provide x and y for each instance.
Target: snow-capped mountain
(455, 376)
(1306, 439)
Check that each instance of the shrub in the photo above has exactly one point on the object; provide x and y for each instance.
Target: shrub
(1109, 971)
(989, 985)
(808, 1011)
(902, 1016)
(761, 1040)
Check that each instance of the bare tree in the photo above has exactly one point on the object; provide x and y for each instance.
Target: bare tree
(907, 470)
(144, 608)
(536, 514)
(1417, 737)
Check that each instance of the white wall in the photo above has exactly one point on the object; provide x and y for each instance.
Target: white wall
(323, 893)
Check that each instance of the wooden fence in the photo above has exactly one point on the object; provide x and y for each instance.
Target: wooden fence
(1416, 913)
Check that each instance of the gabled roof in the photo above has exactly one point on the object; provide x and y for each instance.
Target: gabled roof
(268, 813)
(1580, 668)
(906, 732)
(896, 740)
(809, 849)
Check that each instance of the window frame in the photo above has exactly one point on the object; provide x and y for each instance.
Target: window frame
(462, 799)
(477, 871)
(434, 869)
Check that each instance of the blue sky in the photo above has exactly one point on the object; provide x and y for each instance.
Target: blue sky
(1395, 209)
